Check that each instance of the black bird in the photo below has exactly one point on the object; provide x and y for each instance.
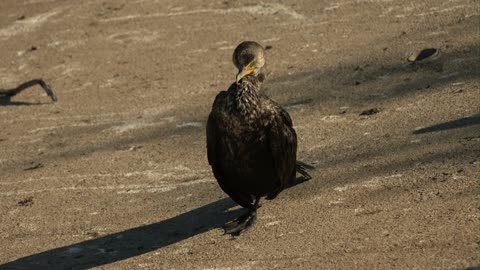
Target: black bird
(251, 143)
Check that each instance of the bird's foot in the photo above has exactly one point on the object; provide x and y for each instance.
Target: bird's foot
(240, 224)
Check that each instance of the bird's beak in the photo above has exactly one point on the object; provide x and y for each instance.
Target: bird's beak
(247, 70)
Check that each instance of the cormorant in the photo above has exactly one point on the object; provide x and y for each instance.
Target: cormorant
(251, 143)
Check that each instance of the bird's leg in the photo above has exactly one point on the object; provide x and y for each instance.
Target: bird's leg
(243, 222)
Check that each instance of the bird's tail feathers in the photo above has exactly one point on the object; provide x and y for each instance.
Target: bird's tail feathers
(302, 168)
(305, 165)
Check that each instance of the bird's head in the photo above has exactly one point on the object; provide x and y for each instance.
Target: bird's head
(249, 58)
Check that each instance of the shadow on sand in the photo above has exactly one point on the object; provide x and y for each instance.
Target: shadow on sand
(132, 242)
(459, 123)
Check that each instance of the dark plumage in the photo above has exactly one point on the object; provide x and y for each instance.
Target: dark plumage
(251, 143)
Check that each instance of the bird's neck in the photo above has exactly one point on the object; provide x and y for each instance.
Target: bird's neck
(245, 95)
(248, 85)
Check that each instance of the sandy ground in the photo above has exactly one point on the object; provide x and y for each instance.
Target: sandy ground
(115, 176)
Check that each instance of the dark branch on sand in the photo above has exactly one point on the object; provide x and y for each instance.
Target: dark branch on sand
(12, 92)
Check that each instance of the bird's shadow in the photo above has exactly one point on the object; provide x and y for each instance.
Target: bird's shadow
(133, 242)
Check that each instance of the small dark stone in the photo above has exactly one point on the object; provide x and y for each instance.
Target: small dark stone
(423, 54)
(33, 48)
(268, 47)
(93, 234)
(21, 17)
(26, 202)
(33, 166)
(370, 111)
(357, 82)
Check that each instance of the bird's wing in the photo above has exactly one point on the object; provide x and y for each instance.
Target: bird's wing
(283, 145)
(212, 131)
(214, 135)
(211, 139)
